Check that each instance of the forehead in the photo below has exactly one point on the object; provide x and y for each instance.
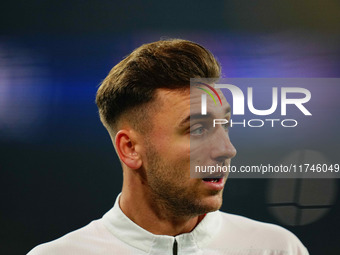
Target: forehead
(181, 103)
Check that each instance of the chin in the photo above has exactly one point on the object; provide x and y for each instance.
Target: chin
(212, 203)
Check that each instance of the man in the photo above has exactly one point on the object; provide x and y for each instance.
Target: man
(146, 106)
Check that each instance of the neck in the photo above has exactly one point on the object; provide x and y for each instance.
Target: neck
(140, 207)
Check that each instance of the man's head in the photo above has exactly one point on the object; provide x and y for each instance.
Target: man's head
(144, 103)
(132, 83)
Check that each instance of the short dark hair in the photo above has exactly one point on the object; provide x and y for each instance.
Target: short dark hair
(165, 64)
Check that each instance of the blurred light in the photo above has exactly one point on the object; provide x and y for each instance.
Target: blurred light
(23, 74)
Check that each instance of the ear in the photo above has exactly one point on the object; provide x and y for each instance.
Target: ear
(126, 149)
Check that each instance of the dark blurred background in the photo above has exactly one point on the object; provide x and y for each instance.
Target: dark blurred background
(58, 169)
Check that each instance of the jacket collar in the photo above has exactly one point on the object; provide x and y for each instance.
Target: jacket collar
(132, 234)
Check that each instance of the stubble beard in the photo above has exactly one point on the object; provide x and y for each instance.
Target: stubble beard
(168, 191)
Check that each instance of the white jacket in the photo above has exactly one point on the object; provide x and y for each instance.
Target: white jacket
(217, 234)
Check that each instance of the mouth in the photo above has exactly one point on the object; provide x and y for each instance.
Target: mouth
(212, 180)
(214, 183)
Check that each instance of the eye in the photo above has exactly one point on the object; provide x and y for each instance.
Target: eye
(226, 127)
(197, 131)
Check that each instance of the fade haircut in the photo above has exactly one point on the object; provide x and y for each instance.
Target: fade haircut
(131, 84)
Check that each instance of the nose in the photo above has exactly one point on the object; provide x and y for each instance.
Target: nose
(221, 146)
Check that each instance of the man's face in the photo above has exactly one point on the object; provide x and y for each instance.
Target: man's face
(176, 139)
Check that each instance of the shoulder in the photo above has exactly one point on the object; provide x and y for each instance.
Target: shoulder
(258, 235)
(80, 241)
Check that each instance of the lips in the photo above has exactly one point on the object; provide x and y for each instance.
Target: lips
(213, 183)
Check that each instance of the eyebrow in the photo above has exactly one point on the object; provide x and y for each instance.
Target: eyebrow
(199, 116)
